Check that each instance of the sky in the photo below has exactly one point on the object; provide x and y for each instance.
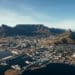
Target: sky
(51, 13)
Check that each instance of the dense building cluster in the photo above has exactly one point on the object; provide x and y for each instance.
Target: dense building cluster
(28, 53)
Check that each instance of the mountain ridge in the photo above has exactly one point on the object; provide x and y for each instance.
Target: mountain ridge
(29, 30)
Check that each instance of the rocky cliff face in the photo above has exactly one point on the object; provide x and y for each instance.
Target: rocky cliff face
(68, 37)
(29, 30)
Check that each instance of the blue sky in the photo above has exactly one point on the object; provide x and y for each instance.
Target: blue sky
(53, 13)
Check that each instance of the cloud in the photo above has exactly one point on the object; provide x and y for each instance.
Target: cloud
(30, 16)
(65, 24)
(10, 18)
(27, 16)
(22, 13)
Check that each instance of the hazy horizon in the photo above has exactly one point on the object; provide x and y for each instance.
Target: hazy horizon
(51, 13)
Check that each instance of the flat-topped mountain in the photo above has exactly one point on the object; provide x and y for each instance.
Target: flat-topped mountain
(29, 30)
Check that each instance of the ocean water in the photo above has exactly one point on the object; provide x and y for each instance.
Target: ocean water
(5, 54)
(53, 69)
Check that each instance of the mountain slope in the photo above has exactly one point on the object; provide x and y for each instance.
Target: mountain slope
(67, 37)
(29, 30)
